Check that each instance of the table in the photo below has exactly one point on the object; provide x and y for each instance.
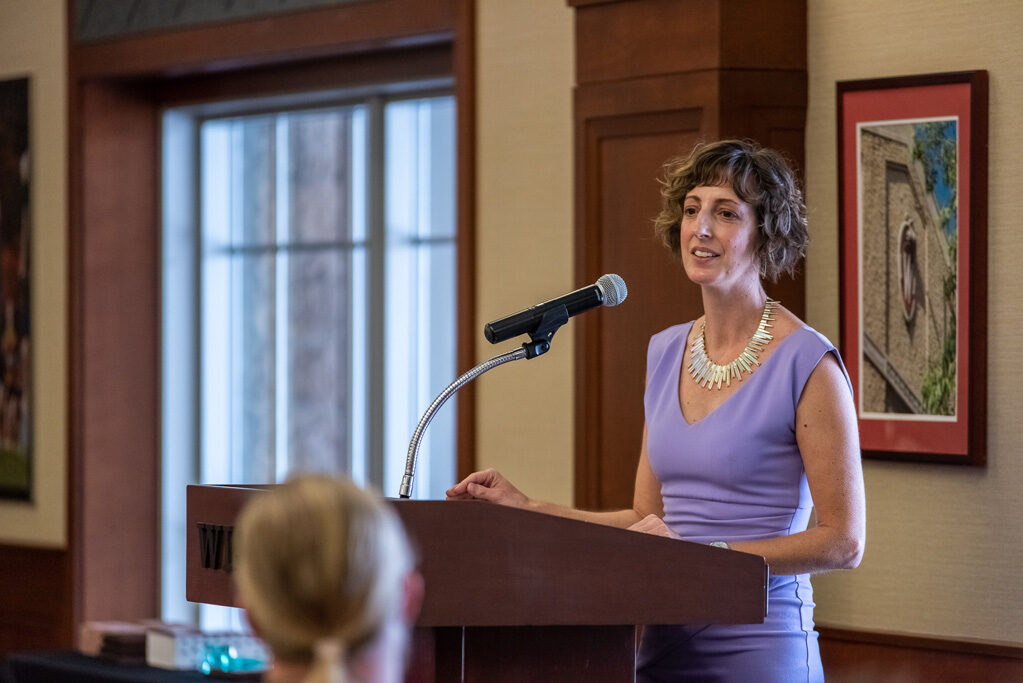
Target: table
(67, 666)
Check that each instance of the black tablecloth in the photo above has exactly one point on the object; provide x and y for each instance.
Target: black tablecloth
(74, 667)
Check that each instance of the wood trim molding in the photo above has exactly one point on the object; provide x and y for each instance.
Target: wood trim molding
(115, 472)
(852, 656)
(581, 3)
(75, 330)
(465, 103)
(35, 604)
(273, 39)
(427, 63)
(908, 640)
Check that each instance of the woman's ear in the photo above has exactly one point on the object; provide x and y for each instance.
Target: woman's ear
(414, 591)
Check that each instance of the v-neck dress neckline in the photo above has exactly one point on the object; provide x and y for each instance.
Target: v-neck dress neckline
(742, 384)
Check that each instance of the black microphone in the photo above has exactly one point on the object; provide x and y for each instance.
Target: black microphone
(609, 290)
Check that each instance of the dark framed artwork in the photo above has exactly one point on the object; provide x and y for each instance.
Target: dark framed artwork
(15, 349)
(912, 169)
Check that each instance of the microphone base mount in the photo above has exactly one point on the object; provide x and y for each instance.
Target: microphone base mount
(540, 339)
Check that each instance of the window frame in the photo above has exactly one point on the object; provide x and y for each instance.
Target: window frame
(184, 305)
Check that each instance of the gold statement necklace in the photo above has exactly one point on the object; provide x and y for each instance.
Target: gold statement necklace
(707, 373)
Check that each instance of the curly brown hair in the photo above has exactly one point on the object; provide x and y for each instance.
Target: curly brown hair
(758, 176)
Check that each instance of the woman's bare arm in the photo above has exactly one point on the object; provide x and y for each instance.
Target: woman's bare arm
(490, 485)
(829, 442)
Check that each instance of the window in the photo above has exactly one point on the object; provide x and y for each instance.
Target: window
(308, 298)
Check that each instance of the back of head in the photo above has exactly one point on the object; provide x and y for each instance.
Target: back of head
(321, 568)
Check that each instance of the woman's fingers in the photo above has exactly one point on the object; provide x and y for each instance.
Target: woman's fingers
(652, 524)
(488, 485)
(458, 490)
(461, 489)
(484, 493)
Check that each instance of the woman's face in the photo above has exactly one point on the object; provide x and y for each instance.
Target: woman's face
(718, 238)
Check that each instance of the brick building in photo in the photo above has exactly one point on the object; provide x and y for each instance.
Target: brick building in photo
(908, 276)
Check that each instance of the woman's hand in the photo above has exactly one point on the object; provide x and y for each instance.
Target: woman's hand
(652, 524)
(491, 486)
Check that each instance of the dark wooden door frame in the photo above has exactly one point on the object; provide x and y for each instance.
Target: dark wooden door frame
(115, 91)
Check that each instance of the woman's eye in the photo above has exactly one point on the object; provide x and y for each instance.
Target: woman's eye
(729, 215)
(689, 211)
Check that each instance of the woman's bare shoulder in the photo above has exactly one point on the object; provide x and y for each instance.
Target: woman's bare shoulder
(785, 323)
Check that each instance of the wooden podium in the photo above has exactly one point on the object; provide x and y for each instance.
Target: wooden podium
(515, 595)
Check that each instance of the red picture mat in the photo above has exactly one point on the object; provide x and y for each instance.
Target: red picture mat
(888, 101)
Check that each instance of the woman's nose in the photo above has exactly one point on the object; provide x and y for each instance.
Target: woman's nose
(703, 224)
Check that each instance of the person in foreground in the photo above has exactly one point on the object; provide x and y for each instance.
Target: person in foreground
(326, 576)
(748, 412)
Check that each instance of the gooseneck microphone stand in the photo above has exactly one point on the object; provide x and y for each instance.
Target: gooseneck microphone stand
(539, 343)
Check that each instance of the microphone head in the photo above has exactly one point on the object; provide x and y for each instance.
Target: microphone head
(613, 288)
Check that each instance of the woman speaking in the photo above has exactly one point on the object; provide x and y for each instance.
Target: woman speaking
(749, 423)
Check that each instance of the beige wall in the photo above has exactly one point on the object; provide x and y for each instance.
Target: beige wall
(32, 44)
(943, 543)
(525, 73)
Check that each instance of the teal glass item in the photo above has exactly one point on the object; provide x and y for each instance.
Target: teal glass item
(220, 659)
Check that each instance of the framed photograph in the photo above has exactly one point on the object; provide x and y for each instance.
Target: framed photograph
(15, 349)
(912, 170)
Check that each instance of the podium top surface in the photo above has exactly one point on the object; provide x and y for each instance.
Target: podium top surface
(490, 565)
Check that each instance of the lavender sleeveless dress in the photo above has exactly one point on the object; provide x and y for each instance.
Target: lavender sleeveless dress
(735, 475)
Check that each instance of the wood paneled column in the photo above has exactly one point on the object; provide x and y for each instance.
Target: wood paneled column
(652, 78)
